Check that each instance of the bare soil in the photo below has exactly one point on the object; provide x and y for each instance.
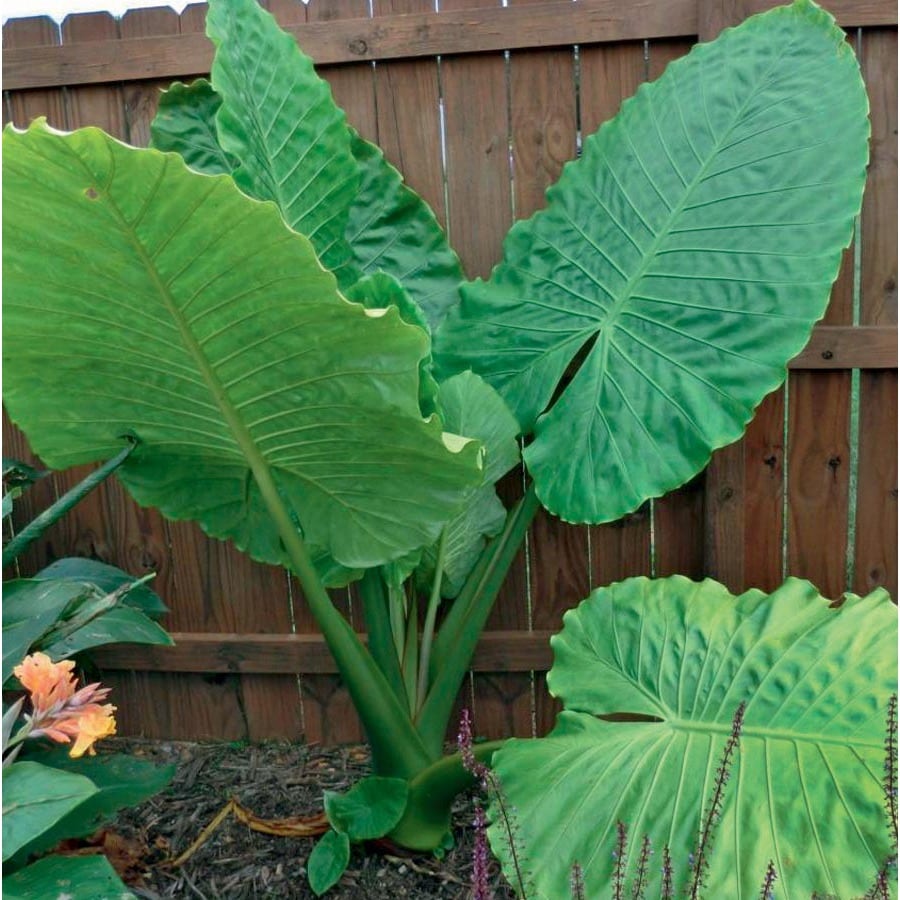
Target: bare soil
(272, 780)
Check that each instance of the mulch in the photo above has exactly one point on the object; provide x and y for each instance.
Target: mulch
(272, 780)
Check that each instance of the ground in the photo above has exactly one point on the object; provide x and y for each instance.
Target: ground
(272, 780)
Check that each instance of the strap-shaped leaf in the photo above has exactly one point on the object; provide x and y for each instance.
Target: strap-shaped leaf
(806, 791)
(278, 119)
(682, 261)
(141, 297)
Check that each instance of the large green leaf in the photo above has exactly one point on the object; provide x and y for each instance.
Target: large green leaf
(120, 781)
(119, 625)
(477, 410)
(806, 791)
(392, 229)
(67, 878)
(35, 797)
(279, 121)
(172, 307)
(185, 123)
(678, 266)
(62, 617)
(379, 291)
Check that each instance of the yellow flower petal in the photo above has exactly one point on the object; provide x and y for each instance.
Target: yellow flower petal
(93, 727)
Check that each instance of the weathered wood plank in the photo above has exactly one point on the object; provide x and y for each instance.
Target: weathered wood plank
(850, 347)
(455, 29)
(543, 130)
(677, 517)
(408, 103)
(282, 654)
(875, 556)
(101, 105)
(610, 74)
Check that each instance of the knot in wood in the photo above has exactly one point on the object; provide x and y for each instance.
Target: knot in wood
(358, 47)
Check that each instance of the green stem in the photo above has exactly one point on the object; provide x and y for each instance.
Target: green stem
(397, 749)
(373, 593)
(434, 601)
(37, 526)
(432, 793)
(462, 628)
(398, 606)
(411, 655)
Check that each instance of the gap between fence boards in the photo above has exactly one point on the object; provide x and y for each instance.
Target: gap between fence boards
(401, 36)
(303, 654)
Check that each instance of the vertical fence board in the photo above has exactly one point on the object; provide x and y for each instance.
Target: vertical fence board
(142, 97)
(101, 105)
(875, 561)
(479, 214)
(818, 439)
(408, 105)
(609, 75)
(23, 106)
(543, 118)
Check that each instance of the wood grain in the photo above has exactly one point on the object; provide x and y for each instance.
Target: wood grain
(875, 556)
(301, 654)
(457, 29)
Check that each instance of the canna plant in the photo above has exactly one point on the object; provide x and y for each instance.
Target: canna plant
(276, 321)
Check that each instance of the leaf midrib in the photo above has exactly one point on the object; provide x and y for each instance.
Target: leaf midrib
(651, 253)
(236, 425)
(783, 734)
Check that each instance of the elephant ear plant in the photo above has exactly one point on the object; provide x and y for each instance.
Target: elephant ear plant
(812, 679)
(256, 309)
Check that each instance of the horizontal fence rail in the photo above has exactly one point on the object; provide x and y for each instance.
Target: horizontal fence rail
(408, 36)
(480, 105)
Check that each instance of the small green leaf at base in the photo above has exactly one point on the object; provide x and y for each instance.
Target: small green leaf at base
(370, 809)
(328, 861)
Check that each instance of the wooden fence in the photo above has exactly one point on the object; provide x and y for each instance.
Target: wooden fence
(478, 108)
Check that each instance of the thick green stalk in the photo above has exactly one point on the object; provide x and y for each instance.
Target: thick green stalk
(36, 527)
(456, 642)
(373, 592)
(397, 750)
(434, 601)
(411, 655)
(426, 820)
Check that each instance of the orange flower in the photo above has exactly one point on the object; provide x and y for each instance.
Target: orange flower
(49, 684)
(59, 712)
(93, 726)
